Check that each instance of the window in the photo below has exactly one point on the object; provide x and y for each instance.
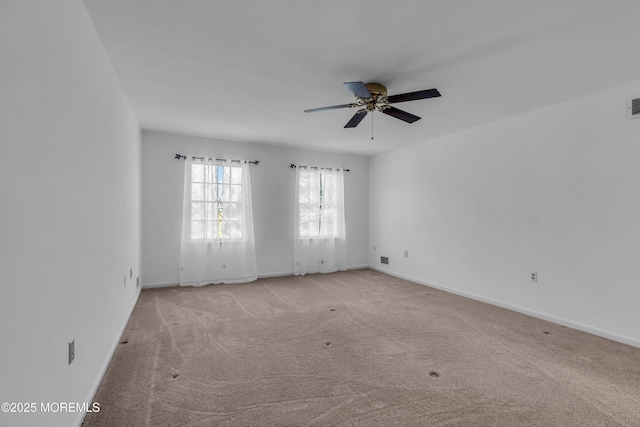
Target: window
(217, 244)
(310, 203)
(320, 204)
(319, 244)
(216, 202)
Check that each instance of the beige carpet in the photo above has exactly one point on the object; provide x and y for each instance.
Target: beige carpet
(358, 348)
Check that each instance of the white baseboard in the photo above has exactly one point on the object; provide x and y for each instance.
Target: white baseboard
(260, 276)
(160, 285)
(105, 364)
(544, 316)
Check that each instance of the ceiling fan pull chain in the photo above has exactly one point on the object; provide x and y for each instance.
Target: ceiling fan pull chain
(372, 124)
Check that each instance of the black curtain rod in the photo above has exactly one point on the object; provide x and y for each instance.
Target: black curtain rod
(316, 168)
(202, 159)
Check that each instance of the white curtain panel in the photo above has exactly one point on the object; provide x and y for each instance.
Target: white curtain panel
(217, 224)
(319, 244)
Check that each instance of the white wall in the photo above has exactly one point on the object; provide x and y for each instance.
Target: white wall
(555, 191)
(69, 204)
(272, 190)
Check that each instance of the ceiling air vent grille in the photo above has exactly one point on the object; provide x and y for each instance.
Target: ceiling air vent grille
(633, 107)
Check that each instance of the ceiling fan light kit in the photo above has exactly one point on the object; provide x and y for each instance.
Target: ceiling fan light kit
(373, 96)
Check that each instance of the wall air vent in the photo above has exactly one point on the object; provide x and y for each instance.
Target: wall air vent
(384, 260)
(633, 107)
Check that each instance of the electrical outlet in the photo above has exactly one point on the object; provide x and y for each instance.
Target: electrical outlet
(125, 280)
(534, 276)
(72, 351)
(131, 273)
(374, 247)
(406, 254)
(137, 281)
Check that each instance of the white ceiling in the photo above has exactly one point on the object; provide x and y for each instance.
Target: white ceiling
(245, 70)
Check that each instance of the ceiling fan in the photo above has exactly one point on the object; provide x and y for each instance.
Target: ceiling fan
(373, 96)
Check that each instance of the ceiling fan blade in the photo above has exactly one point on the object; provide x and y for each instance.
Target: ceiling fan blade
(359, 89)
(399, 114)
(333, 107)
(356, 119)
(413, 96)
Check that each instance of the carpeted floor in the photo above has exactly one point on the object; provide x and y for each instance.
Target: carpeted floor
(358, 348)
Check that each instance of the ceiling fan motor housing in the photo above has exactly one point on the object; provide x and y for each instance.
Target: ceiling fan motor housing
(376, 89)
(378, 96)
